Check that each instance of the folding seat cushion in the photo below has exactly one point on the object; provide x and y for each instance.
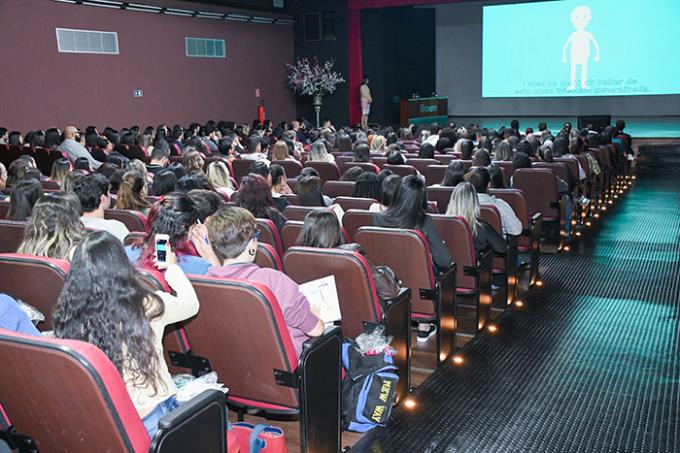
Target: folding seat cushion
(239, 168)
(347, 203)
(422, 164)
(401, 170)
(291, 167)
(540, 187)
(298, 212)
(434, 174)
(291, 232)
(267, 256)
(441, 196)
(35, 280)
(133, 220)
(240, 333)
(335, 189)
(328, 171)
(11, 235)
(365, 166)
(355, 219)
(269, 234)
(83, 405)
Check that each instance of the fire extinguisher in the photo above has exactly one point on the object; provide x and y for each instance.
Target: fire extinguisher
(261, 112)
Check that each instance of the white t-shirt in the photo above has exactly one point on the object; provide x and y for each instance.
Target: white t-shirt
(115, 227)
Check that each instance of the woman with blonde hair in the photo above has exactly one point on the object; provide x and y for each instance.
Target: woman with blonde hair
(53, 229)
(132, 193)
(193, 161)
(219, 177)
(464, 203)
(319, 153)
(378, 144)
(280, 151)
(60, 170)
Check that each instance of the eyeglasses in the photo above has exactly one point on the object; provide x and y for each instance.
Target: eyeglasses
(256, 235)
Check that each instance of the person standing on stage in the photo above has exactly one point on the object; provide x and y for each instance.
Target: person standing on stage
(366, 100)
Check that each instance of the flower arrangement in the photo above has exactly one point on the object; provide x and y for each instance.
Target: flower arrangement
(308, 77)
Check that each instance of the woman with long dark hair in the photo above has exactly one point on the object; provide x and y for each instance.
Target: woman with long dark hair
(104, 303)
(132, 193)
(175, 215)
(22, 199)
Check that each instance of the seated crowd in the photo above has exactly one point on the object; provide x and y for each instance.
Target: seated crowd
(180, 183)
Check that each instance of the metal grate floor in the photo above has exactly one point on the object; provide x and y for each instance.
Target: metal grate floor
(593, 366)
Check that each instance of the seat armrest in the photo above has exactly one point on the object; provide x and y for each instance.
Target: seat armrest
(446, 315)
(397, 322)
(485, 266)
(320, 373)
(197, 425)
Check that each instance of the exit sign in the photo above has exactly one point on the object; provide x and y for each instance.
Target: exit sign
(137, 93)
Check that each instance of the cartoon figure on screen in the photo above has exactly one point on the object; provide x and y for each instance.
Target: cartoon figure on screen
(580, 46)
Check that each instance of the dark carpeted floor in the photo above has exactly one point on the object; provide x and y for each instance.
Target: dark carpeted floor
(593, 365)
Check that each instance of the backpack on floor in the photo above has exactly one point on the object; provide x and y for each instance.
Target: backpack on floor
(368, 390)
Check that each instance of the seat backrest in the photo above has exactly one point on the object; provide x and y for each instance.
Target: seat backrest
(355, 219)
(267, 256)
(133, 220)
(49, 185)
(445, 159)
(422, 164)
(269, 234)
(35, 280)
(457, 236)
(434, 174)
(518, 202)
(347, 203)
(583, 161)
(540, 187)
(298, 212)
(558, 168)
(408, 254)
(379, 161)
(11, 235)
(353, 280)
(67, 396)
(291, 167)
(340, 160)
(335, 189)
(441, 196)
(240, 168)
(328, 171)
(291, 232)
(134, 237)
(4, 209)
(241, 331)
(292, 198)
(401, 170)
(572, 166)
(491, 214)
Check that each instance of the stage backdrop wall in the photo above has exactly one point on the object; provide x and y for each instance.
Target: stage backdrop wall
(41, 88)
(459, 75)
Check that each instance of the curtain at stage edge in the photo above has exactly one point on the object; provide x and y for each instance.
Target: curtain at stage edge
(354, 64)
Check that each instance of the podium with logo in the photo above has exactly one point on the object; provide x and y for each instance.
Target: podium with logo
(424, 111)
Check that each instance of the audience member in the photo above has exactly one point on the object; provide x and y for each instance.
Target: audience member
(319, 153)
(132, 193)
(254, 194)
(207, 203)
(367, 186)
(220, 178)
(72, 147)
(60, 170)
(279, 186)
(351, 174)
(454, 174)
(25, 194)
(480, 180)
(389, 188)
(93, 193)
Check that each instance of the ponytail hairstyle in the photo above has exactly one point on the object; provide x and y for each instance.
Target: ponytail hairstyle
(131, 192)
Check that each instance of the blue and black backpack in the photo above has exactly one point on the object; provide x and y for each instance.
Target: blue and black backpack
(368, 390)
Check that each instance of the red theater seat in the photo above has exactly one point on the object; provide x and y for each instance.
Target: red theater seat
(328, 171)
(11, 235)
(336, 189)
(291, 167)
(269, 234)
(267, 256)
(133, 220)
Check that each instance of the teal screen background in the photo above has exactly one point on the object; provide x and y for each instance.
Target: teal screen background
(639, 49)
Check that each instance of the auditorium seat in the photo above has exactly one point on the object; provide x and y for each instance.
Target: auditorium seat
(432, 297)
(422, 164)
(473, 271)
(328, 171)
(504, 264)
(298, 212)
(134, 237)
(66, 395)
(401, 170)
(341, 160)
(379, 161)
(11, 235)
(268, 257)
(441, 196)
(335, 189)
(292, 198)
(133, 220)
(240, 333)
(239, 168)
(269, 234)
(50, 186)
(530, 239)
(445, 159)
(355, 219)
(507, 169)
(291, 167)
(434, 174)
(359, 301)
(540, 187)
(291, 232)
(347, 203)
(35, 280)
(4, 209)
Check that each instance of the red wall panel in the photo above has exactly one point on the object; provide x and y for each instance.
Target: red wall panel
(41, 88)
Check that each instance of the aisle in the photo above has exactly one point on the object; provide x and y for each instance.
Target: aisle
(593, 366)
